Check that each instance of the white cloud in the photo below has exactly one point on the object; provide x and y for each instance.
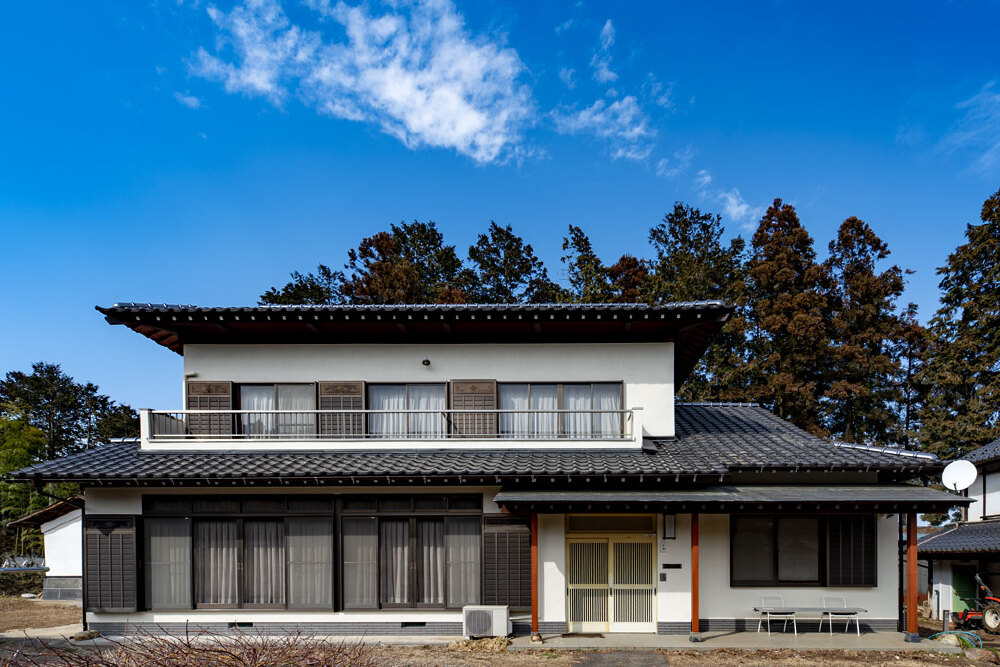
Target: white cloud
(601, 60)
(564, 26)
(703, 179)
(737, 208)
(190, 101)
(659, 92)
(566, 74)
(675, 165)
(621, 124)
(414, 71)
(979, 129)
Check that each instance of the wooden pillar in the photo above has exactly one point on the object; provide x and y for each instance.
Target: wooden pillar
(535, 636)
(695, 612)
(911, 575)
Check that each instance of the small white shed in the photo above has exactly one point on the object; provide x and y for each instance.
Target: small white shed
(62, 533)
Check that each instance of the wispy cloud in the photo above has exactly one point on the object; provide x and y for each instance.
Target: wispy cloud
(564, 26)
(190, 101)
(734, 206)
(414, 71)
(567, 74)
(601, 60)
(979, 129)
(621, 124)
(703, 179)
(675, 165)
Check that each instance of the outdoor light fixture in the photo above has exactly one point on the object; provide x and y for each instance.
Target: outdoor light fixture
(426, 362)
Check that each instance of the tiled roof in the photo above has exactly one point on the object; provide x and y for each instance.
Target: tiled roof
(985, 453)
(968, 537)
(710, 440)
(133, 307)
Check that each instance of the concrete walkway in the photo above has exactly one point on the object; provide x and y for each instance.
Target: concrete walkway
(870, 641)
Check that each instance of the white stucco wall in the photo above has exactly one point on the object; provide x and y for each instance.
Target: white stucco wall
(941, 589)
(646, 369)
(552, 566)
(63, 539)
(720, 600)
(673, 596)
(985, 493)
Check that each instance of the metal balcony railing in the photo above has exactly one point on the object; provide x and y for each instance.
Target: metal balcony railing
(321, 425)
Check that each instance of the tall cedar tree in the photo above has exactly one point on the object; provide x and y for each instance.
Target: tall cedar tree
(788, 296)
(861, 399)
(320, 288)
(693, 264)
(506, 270)
(590, 281)
(909, 350)
(963, 361)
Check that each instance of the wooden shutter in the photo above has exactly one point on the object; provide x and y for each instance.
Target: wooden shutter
(474, 395)
(507, 561)
(342, 396)
(202, 395)
(851, 551)
(110, 567)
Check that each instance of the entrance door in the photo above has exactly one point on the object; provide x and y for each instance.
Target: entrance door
(611, 585)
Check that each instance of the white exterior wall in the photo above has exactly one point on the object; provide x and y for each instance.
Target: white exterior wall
(720, 600)
(941, 589)
(673, 596)
(552, 567)
(986, 494)
(63, 538)
(646, 369)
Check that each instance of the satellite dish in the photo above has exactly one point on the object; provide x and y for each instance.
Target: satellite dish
(959, 475)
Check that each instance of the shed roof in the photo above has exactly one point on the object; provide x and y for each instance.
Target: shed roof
(962, 538)
(46, 514)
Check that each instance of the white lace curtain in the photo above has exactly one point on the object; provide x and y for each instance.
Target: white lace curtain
(395, 399)
(310, 562)
(264, 544)
(168, 563)
(216, 575)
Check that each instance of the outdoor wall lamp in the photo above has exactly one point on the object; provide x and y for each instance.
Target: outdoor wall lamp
(426, 362)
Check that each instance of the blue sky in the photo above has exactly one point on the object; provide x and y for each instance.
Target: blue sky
(194, 152)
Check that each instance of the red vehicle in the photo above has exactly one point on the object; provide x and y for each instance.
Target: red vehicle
(985, 611)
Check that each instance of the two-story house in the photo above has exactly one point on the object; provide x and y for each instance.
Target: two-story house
(372, 470)
(971, 546)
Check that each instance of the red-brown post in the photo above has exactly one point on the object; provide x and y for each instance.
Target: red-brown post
(694, 574)
(534, 578)
(911, 574)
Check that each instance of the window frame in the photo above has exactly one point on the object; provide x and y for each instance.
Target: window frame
(406, 400)
(240, 429)
(413, 514)
(561, 431)
(823, 543)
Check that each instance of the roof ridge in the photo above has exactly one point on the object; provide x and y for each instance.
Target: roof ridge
(720, 404)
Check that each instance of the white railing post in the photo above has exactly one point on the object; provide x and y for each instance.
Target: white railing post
(637, 425)
(144, 426)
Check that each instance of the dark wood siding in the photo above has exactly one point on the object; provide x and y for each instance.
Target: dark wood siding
(202, 395)
(851, 551)
(109, 547)
(342, 396)
(507, 561)
(474, 395)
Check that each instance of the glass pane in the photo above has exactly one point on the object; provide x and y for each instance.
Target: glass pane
(252, 505)
(394, 546)
(360, 547)
(167, 506)
(514, 424)
(544, 401)
(310, 504)
(577, 397)
(215, 552)
(427, 397)
(259, 400)
(358, 503)
(310, 562)
(395, 504)
(465, 502)
(753, 549)
(463, 553)
(301, 397)
(264, 546)
(430, 561)
(427, 503)
(798, 549)
(390, 401)
(608, 397)
(217, 506)
(168, 563)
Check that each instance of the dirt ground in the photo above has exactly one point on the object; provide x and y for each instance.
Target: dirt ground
(427, 656)
(18, 613)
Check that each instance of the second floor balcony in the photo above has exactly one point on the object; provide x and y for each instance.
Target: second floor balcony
(258, 429)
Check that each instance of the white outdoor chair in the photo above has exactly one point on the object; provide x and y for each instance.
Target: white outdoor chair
(776, 601)
(830, 601)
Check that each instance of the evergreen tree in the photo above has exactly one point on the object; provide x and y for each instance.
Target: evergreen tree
(963, 361)
(692, 264)
(20, 445)
(588, 278)
(860, 401)
(909, 351)
(320, 288)
(506, 270)
(787, 293)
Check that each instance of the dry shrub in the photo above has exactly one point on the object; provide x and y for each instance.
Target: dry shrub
(144, 649)
(488, 645)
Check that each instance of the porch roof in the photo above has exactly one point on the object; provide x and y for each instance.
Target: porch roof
(963, 538)
(845, 498)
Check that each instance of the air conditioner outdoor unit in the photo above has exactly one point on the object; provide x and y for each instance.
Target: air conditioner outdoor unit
(485, 621)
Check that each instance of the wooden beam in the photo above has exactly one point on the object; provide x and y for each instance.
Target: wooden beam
(534, 579)
(912, 627)
(695, 611)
